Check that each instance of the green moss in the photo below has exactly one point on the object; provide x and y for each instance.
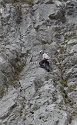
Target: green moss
(31, 2)
(16, 2)
(68, 101)
(64, 82)
(60, 107)
(66, 98)
(46, 42)
(21, 111)
(30, 104)
(71, 89)
(70, 37)
(18, 67)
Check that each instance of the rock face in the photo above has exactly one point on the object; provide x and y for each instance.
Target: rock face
(29, 95)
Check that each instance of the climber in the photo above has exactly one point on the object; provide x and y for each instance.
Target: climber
(44, 63)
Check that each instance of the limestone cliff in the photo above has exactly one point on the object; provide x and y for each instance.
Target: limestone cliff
(29, 95)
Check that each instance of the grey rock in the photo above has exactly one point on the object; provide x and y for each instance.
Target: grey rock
(48, 2)
(71, 7)
(74, 122)
(51, 114)
(58, 15)
(72, 42)
(7, 103)
(8, 1)
(29, 94)
(44, 10)
(74, 48)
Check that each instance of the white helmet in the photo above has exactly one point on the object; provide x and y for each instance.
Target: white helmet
(41, 52)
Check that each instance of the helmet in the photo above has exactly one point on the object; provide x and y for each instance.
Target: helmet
(41, 52)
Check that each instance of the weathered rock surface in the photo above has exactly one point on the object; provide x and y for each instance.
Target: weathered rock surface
(29, 95)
